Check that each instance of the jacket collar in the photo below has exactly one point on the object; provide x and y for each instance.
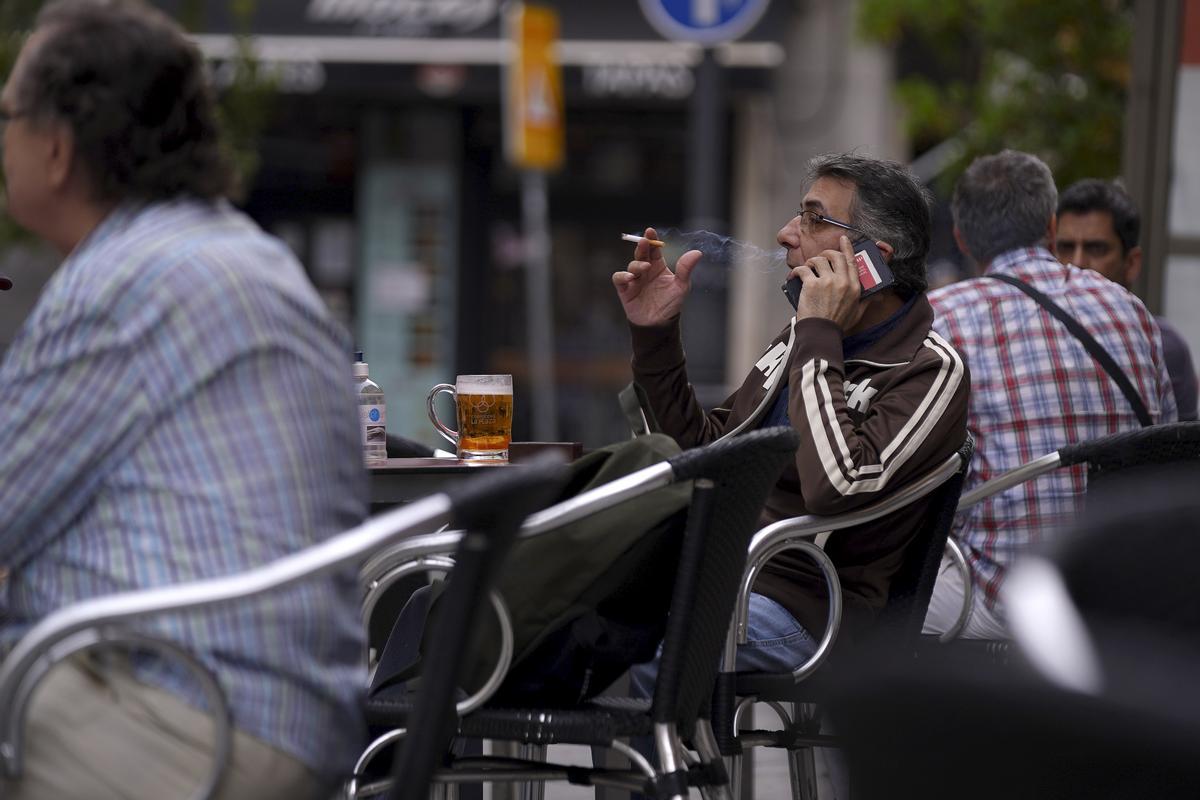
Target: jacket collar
(898, 344)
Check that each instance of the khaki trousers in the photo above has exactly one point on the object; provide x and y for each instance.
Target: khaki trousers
(100, 734)
(946, 605)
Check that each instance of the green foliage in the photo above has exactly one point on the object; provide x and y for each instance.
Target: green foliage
(244, 101)
(1046, 77)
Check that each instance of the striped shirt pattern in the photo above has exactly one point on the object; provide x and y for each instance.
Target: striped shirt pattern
(1035, 389)
(178, 407)
(843, 474)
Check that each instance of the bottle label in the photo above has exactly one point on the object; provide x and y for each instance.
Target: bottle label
(373, 424)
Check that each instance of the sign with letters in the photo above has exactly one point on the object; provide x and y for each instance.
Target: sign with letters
(411, 16)
(703, 21)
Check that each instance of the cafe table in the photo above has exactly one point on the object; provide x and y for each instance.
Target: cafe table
(403, 480)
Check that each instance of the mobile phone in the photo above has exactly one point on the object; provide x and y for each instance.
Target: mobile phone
(874, 274)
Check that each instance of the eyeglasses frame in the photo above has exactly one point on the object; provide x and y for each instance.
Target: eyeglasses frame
(819, 217)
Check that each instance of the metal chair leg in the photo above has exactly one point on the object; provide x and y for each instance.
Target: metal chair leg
(670, 751)
(802, 767)
(741, 766)
(706, 745)
(532, 790)
(733, 765)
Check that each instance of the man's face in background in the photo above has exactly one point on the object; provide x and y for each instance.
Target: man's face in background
(1088, 240)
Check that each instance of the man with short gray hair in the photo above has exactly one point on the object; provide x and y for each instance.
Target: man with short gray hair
(1035, 388)
(877, 397)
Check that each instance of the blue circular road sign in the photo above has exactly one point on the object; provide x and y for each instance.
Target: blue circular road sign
(703, 21)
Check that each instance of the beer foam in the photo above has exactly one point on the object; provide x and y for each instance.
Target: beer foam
(484, 384)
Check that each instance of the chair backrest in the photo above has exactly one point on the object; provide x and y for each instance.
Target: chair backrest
(583, 586)
(1105, 605)
(1138, 557)
(732, 479)
(911, 596)
(1105, 457)
(1100, 700)
(490, 512)
(912, 586)
(918, 728)
(1120, 453)
(1108, 458)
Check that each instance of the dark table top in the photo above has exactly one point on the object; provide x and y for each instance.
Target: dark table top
(402, 480)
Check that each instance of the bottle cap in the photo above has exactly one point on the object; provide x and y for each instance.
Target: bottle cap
(360, 369)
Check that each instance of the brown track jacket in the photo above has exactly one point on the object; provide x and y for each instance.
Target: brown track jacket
(868, 425)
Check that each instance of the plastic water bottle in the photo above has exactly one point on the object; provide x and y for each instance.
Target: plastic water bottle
(372, 414)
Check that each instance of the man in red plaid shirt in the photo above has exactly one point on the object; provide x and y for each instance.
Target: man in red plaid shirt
(1034, 388)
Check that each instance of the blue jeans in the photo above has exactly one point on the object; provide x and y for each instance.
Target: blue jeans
(775, 642)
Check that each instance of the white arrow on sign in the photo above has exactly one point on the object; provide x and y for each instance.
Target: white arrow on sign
(541, 108)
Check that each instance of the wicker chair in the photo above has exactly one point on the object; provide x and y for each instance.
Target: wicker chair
(731, 480)
(899, 622)
(1110, 457)
(1100, 700)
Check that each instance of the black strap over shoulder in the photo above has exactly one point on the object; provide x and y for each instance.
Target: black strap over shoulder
(1094, 348)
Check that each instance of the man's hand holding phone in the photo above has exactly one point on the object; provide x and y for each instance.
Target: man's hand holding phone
(831, 288)
(650, 292)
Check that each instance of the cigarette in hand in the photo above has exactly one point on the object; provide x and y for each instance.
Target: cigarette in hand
(633, 237)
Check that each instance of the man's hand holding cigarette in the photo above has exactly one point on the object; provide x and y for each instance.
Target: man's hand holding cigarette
(650, 292)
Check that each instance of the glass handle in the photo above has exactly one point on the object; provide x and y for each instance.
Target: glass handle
(450, 434)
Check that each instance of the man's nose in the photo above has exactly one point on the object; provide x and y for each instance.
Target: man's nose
(789, 234)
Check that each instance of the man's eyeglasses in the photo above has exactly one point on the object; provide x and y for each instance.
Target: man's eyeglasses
(811, 222)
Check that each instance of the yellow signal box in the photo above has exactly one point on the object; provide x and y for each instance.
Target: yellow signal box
(534, 117)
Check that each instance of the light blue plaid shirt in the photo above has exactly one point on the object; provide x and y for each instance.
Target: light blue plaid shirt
(178, 407)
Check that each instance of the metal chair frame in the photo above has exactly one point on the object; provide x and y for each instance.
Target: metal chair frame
(432, 552)
(1001, 483)
(1068, 456)
(109, 620)
(381, 572)
(796, 535)
(1098, 699)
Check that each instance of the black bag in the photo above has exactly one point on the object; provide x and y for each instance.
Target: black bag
(587, 600)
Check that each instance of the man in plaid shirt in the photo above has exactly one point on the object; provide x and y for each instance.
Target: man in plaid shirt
(1034, 386)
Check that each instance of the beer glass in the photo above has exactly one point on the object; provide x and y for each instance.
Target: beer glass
(484, 405)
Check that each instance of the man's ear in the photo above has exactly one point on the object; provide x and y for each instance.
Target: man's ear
(962, 244)
(60, 155)
(1052, 235)
(886, 250)
(1133, 266)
